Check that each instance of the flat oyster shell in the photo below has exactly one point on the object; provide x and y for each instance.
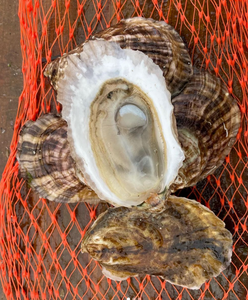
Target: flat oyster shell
(208, 120)
(157, 39)
(44, 158)
(120, 119)
(185, 243)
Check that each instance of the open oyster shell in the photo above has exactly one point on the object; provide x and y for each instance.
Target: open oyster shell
(185, 243)
(44, 159)
(157, 39)
(120, 119)
(208, 120)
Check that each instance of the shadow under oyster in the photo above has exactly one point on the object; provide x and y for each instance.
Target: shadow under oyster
(184, 242)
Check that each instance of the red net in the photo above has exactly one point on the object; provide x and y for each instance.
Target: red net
(40, 240)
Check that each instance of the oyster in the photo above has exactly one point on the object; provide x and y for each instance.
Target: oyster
(185, 243)
(120, 119)
(157, 39)
(44, 159)
(208, 120)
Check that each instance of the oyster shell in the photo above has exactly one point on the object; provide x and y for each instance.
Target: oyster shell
(160, 42)
(120, 119)
(44, 159)
(208, 120)
(185, 243)
(157, 39)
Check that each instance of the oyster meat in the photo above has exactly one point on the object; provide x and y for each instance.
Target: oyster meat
(157, 39)
(44, 159)
(185, 243)
(208, 120)
(121, 126)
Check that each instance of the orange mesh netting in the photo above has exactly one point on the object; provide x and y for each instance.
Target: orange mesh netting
(40, 240)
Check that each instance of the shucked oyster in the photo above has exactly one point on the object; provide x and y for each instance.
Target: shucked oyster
(185, 243)
(157, 39)
(132, 150)
(120, 119)
(208, 120)
(44, 159)
(118, 124)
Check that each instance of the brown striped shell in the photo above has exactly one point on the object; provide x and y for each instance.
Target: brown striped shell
(208, 120)
(157, 39)
(185, 243)
(44, 159)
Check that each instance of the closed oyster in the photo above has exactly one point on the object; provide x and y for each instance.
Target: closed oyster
(157, 39)
(44, 159)
(185, 243)
(120, 119)
(208, 120)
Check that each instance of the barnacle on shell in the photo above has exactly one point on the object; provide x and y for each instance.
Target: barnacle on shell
(120, 119)
(44, 159)
(184, 243)
(156, 39)
(208, 120)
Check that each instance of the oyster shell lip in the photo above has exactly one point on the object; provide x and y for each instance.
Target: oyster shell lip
(83, 78)
(175, 63)
(109, 275)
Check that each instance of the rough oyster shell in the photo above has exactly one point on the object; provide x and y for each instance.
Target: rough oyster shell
(185, 243)
(44, 159)
(157, 39)
(120, 119)
(208, 120)
(160, 42)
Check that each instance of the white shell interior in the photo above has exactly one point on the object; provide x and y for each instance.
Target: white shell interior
(85, 75)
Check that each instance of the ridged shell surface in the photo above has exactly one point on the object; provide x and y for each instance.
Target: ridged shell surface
(160, 42)
(208, 120)
(156, 39)
(185, 243)
(45, 161)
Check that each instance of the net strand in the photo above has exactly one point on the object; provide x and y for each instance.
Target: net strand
(40, 240)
